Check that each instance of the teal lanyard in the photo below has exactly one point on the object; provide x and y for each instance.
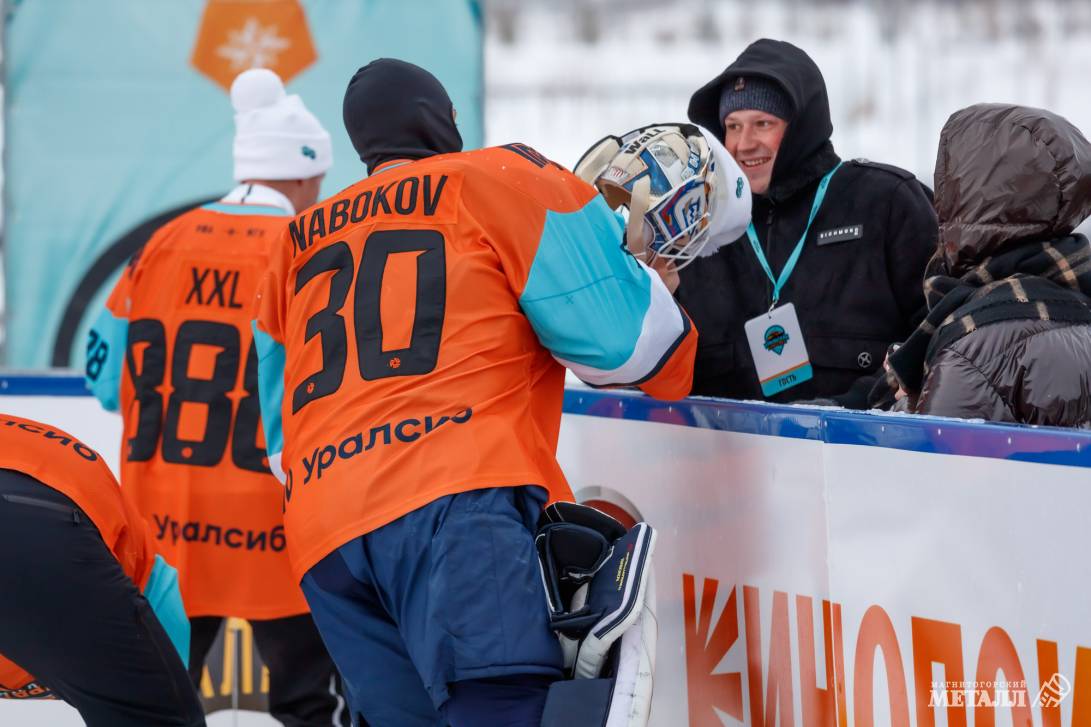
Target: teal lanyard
(790, 266)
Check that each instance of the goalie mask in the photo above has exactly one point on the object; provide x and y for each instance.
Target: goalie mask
(678, 182)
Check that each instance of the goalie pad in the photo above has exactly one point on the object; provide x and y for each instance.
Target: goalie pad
(601, 594)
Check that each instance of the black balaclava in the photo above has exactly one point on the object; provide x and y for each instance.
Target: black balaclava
(396, 110)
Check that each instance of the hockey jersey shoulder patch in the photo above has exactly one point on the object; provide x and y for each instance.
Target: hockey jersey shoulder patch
(532, 155)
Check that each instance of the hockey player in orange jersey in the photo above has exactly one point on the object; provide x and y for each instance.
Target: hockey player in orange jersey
(90, 613)
(413, 332)
(174, 351)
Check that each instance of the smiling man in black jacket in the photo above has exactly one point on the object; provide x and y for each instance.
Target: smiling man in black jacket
(856, 280)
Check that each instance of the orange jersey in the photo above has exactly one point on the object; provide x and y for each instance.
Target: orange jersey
(415, 326)
(62, 462)
(194, 451)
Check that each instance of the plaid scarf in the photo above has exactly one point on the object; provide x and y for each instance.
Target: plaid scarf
(1048, 281)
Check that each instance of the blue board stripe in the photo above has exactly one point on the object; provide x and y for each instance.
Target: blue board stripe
(1042, 445)
(934, 435)
(39, 385)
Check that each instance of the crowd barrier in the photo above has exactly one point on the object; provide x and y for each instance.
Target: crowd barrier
(818, 567)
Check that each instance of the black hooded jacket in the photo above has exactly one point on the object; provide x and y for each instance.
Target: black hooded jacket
(857, 285)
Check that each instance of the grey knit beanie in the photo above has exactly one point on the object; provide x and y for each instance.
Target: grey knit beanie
(758, 94)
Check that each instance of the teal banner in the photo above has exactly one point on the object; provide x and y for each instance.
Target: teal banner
(118, 117)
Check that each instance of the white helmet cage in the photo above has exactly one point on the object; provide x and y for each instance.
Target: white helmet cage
(664, 174)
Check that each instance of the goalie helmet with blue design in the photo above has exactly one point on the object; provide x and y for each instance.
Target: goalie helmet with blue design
(686, 197)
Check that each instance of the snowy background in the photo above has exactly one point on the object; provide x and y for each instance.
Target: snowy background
(563, 73)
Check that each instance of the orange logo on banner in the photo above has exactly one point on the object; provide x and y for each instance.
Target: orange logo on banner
(235, 35)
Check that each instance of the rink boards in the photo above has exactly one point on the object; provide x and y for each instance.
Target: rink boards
(814, 566)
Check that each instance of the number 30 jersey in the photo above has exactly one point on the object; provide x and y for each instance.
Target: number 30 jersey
(413, 331)
(174, 352)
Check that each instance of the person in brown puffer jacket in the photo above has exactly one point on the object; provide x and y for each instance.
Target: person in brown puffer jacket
(1008, 332)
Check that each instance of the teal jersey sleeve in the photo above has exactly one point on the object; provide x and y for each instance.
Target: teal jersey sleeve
(599, 311)
(165, 598)
(106, 344)
(271, 358)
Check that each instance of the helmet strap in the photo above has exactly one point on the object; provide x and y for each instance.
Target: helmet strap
(595, 161)
(638, 207)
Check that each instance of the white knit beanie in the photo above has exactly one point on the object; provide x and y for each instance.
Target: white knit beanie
(276, 137)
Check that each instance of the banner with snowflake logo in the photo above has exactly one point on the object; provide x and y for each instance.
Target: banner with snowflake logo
(118, 118)
(234, 36)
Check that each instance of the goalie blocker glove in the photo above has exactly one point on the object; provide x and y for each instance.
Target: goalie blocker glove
(601, 595)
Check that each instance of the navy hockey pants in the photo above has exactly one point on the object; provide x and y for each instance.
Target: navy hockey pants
(440, 616)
